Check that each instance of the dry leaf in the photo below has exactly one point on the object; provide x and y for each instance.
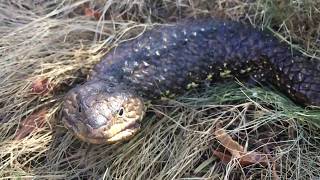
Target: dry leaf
(226, 140)
(40, 86)
(254, 158)
(237, 151)
(274, 172)
(225, 158)
(31, 124)
(92, 13)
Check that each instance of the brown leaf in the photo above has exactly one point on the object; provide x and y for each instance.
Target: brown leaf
(237, 151)
(225, 158)
(40, 86)
(32, 123)
(254, 158)
(92, 13)
(226, 140)
(274, 172)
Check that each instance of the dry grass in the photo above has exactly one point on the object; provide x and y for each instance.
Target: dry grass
(52, 40)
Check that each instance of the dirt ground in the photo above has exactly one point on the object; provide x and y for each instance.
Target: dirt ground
(227, 131)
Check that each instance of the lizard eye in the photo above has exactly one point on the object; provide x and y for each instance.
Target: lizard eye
(120, 112)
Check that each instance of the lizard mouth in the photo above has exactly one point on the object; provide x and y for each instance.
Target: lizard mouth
(125, 133)
(115, 133)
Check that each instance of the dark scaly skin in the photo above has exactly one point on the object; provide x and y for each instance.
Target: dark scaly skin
(170, 59)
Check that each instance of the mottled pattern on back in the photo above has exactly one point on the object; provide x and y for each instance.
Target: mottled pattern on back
(172, 58)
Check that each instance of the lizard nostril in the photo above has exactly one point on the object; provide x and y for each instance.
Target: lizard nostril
(120, 113)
